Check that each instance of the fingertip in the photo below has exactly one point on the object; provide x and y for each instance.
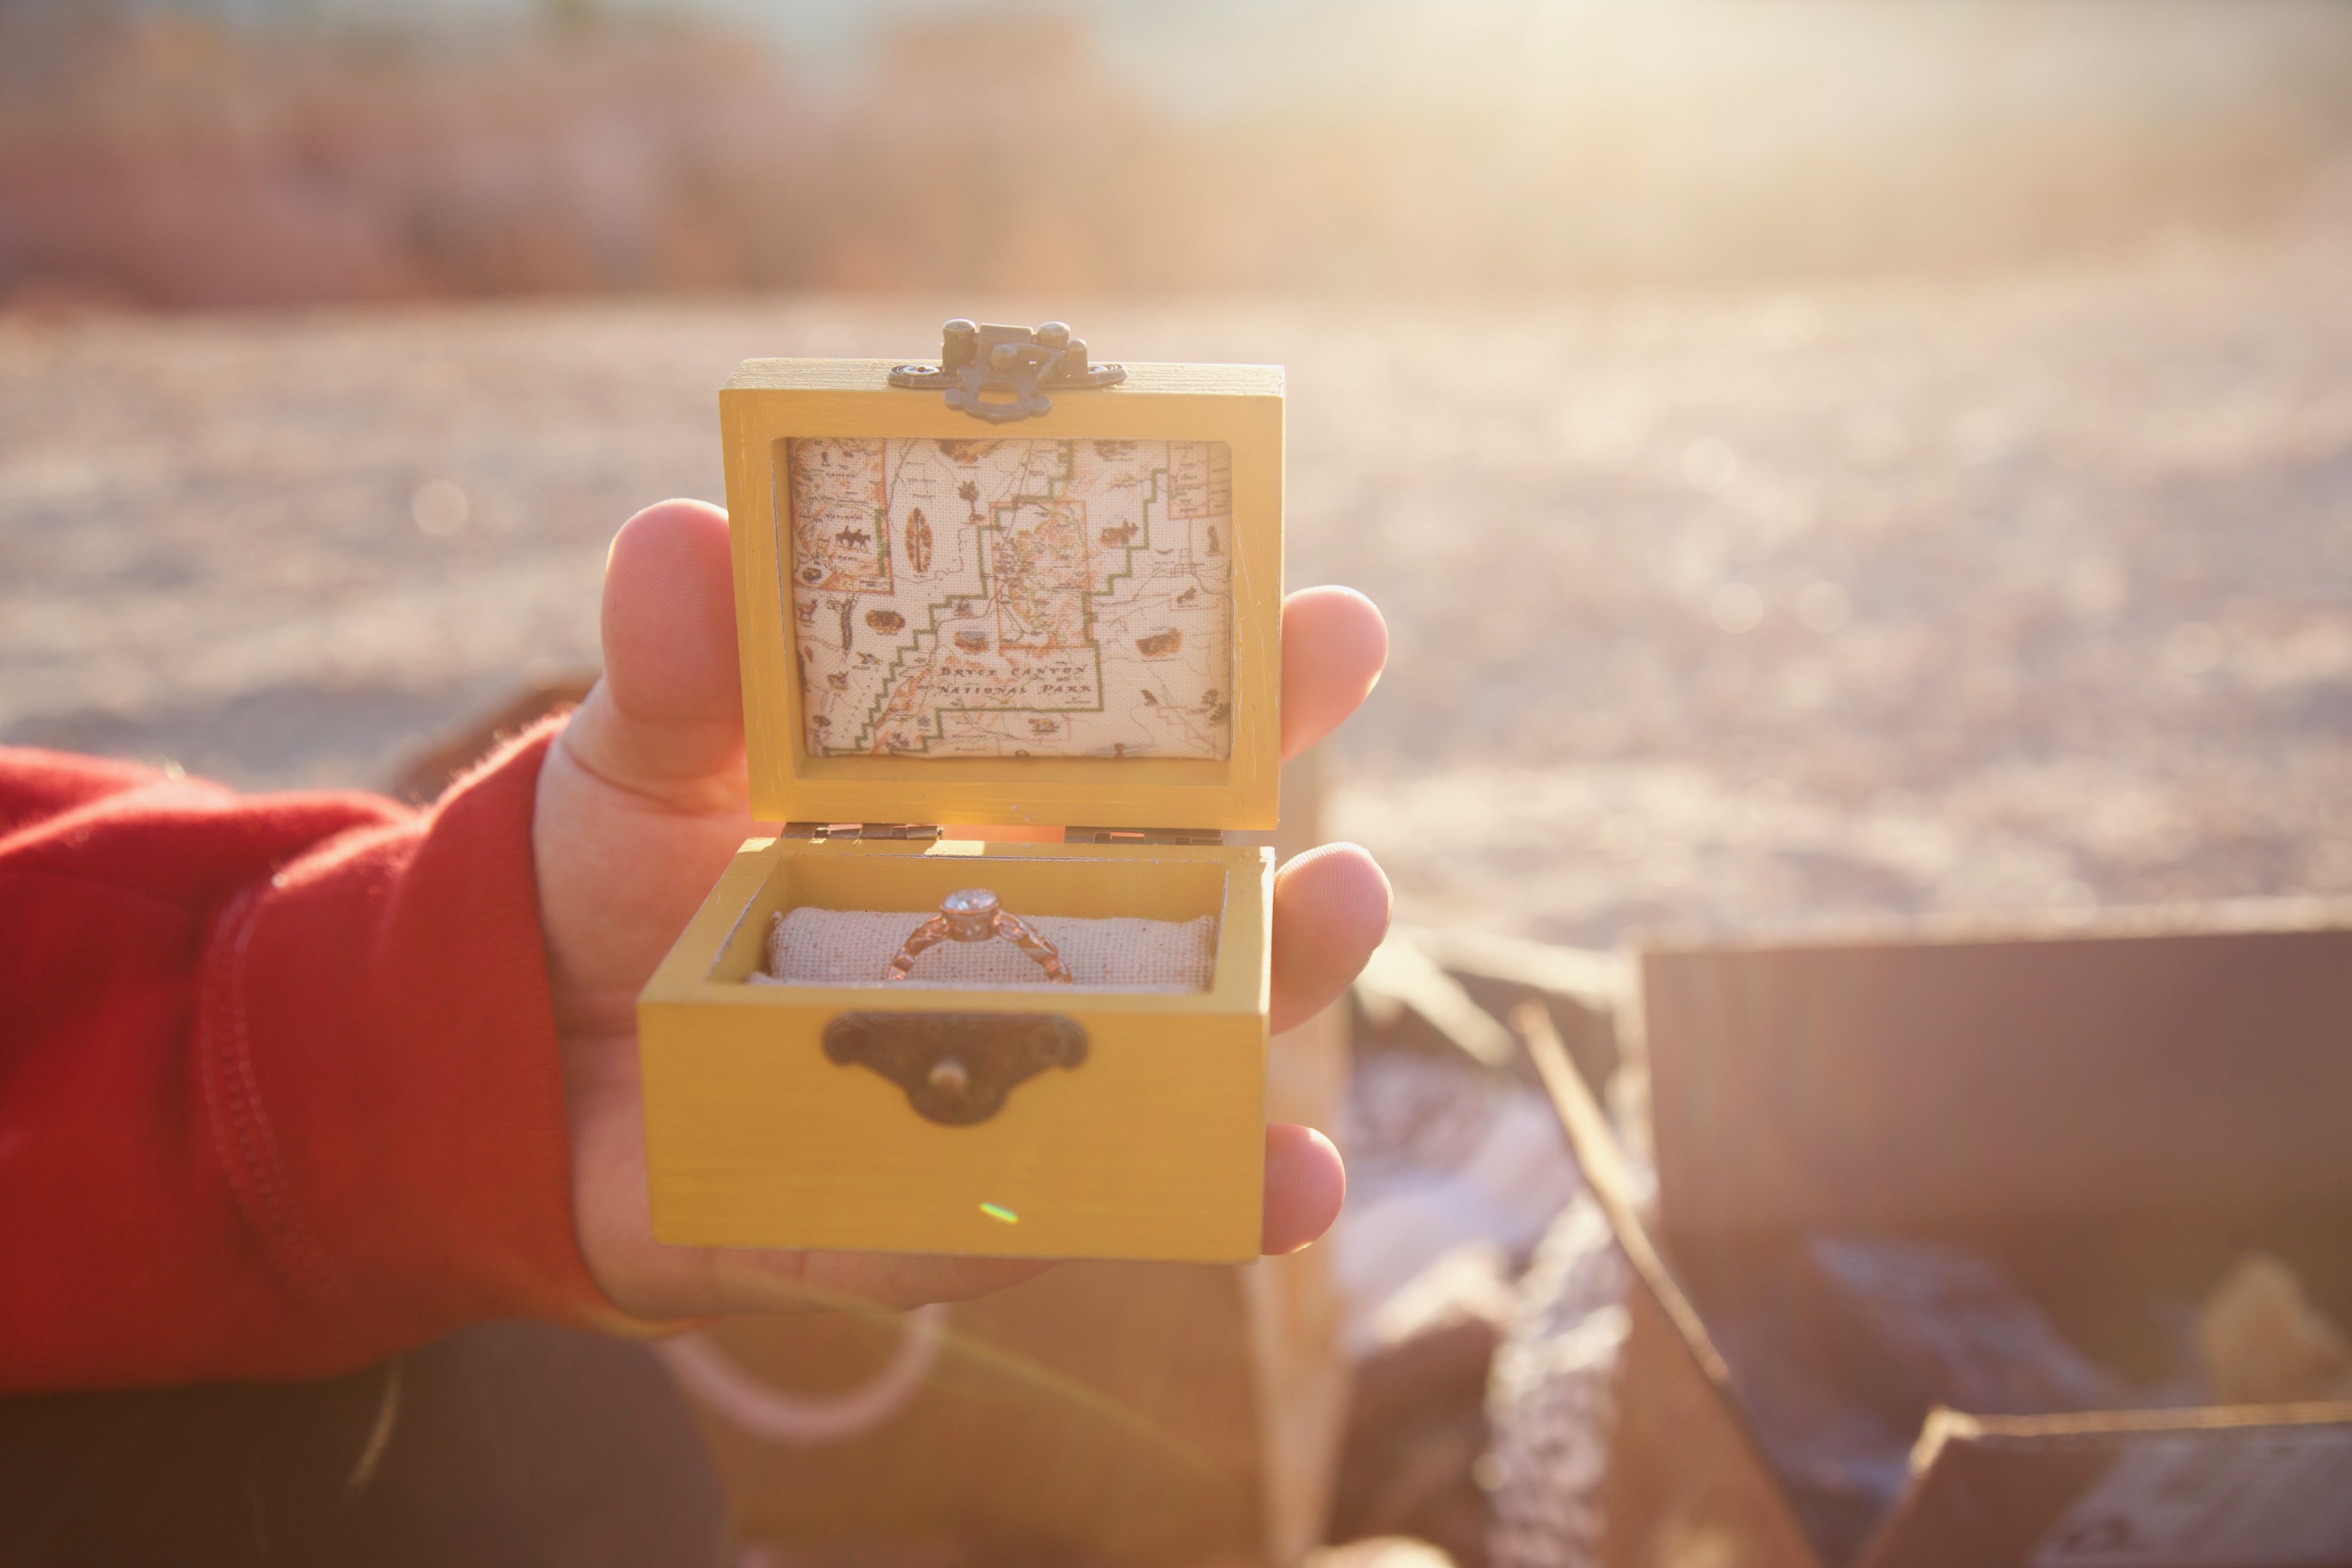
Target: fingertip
(1340, 891)
(1334, 646)
(669, 615)
(1305, 1184)
(1331, 908)
(1343, 618)
(666, 528)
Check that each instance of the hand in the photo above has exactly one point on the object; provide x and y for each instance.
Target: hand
(642, 803)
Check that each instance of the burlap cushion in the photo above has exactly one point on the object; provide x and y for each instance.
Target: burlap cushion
(849, 947)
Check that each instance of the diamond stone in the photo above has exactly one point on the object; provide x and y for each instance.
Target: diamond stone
(970, 914)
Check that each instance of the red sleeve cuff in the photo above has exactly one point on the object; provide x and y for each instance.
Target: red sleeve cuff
(377, 1067)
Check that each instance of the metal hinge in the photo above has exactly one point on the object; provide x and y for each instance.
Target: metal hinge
(1001, 374)
(826, 832)
(923, 832)
(1143, 836)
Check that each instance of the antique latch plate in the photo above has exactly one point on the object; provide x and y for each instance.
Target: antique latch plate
(1002, 374)
(956, 1068)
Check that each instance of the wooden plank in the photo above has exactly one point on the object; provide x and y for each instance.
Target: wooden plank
(1300, 1378)
(2111, 1487)
(1925, 1083)
(1294, 1310)
(1585, 991)
(1103, 1412)
(1684, 1484)
(1689, 1479)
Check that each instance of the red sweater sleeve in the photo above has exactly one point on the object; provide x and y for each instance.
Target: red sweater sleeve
(278, 1084)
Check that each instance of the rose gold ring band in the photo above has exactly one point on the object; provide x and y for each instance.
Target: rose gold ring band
(940, 928)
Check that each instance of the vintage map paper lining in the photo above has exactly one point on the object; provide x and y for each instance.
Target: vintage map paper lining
(1012, 596)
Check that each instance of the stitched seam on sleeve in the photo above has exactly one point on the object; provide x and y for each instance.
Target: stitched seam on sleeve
(241, 1126)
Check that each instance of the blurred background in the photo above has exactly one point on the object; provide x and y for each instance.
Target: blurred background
(1822, 459)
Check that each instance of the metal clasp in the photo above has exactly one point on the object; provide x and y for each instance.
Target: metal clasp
(956, 1068)
(1001, 374)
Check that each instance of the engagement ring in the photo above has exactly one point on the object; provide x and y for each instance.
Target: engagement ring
(974, 914)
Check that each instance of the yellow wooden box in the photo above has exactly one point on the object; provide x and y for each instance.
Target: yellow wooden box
(1152, 1146)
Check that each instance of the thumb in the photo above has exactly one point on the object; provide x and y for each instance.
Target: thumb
(668, 719)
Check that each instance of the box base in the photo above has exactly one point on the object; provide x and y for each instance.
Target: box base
(1151, 1146)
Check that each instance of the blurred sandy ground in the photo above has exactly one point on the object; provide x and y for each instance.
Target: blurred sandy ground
(1730, 609)
(204, 152)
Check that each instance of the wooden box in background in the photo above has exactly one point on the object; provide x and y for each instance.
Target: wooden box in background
(2110, 1116)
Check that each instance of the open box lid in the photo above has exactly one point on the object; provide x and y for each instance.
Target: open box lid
(946, 619)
